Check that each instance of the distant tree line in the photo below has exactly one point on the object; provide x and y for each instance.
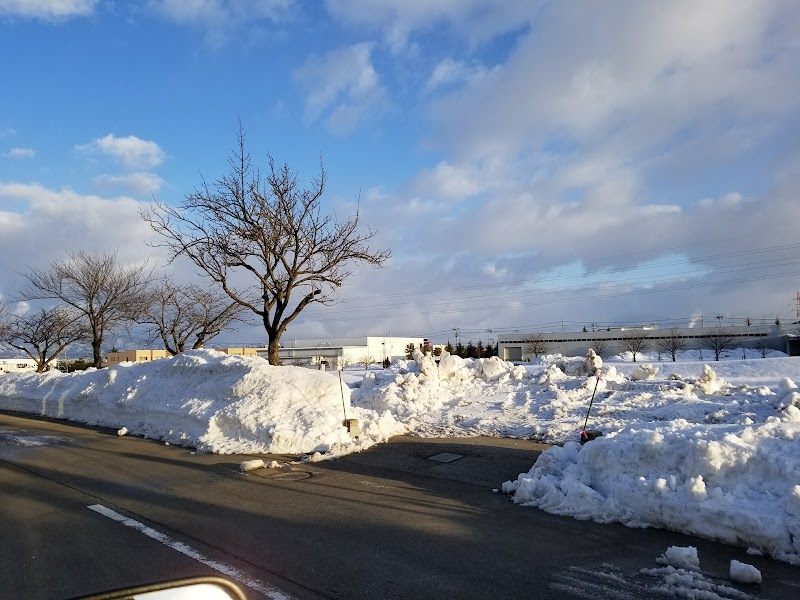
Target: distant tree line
(470, 350)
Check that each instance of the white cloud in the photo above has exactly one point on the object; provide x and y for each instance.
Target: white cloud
(448, 181)
(449, 72)
(477, 20)
(343, 86)
(221, 17)
(137, 182)
(51, 222)
(47, 9)
(632, 75)
(131, 152)
(570, 150)
(564, 136)
(20, 153)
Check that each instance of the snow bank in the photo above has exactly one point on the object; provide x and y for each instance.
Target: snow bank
(487, 396)
(734, 483)
(713, 452)
(212, 401)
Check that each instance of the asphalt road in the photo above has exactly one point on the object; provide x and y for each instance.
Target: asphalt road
(84, 510)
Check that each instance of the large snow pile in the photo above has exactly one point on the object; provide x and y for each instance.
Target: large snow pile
(707, 451)
(733, 483)
(683, 447)
(486, 396)
(205, 399)
(548, 400)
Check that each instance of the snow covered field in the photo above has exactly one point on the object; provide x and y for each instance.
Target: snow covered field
(709, 449)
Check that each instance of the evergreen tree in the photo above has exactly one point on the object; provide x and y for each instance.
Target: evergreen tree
(410, 351)
(480, 350)
(449, 347)
(471, 350)
(460, 351)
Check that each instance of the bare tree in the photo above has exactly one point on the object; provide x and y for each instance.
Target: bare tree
(269, 232)
(764, 346)
(719, 342)
(106, 293)
(44, 334)
(599, 346)
(179, 314)
(672, 343)
(367, 360)
(635, 342)
(343, 361)
(536, 345)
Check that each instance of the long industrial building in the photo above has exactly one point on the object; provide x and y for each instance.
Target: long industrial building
(335, 353)
(608, 342)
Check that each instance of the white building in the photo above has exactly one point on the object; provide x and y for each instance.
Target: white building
(17, 365)
(335, 353)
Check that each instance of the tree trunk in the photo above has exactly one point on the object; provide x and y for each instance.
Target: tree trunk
(98, 358)
(274, 344)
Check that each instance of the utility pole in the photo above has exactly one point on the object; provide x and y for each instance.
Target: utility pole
(455, 330)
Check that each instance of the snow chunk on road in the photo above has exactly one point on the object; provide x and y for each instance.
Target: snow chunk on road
(681, 557)
(252, 465)
(744, 573)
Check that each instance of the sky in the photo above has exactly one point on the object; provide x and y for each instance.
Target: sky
(530, 165)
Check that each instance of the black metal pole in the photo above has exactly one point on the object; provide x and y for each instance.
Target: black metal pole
(596, 382)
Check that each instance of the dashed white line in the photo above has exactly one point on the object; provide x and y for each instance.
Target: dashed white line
(228, 570)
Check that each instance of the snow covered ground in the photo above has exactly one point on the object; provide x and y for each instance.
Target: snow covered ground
(706, 448)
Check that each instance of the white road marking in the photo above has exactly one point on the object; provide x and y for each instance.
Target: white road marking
(228, 570)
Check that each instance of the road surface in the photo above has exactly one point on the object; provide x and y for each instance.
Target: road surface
(85, 510)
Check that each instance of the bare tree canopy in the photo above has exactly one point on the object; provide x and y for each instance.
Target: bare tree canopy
(180, 314)
(106, 293)
(764, 346)
(268, 231)
(44, 334)
(635, 342)
(5, 319)
(672, 343)
(536, 345)
(719, 342)
(600, 346)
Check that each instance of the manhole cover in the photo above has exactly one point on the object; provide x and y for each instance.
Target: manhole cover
(445, 457)
(292, 476)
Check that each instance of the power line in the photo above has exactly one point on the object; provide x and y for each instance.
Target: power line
(581, 298)
(609, 273)
(581, 289)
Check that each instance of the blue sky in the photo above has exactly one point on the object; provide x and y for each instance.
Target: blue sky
(526, 162)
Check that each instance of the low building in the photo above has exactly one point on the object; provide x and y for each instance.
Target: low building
(518, 346)
(336, 353)
(332, 353)
(115, 358)
(17, 365)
